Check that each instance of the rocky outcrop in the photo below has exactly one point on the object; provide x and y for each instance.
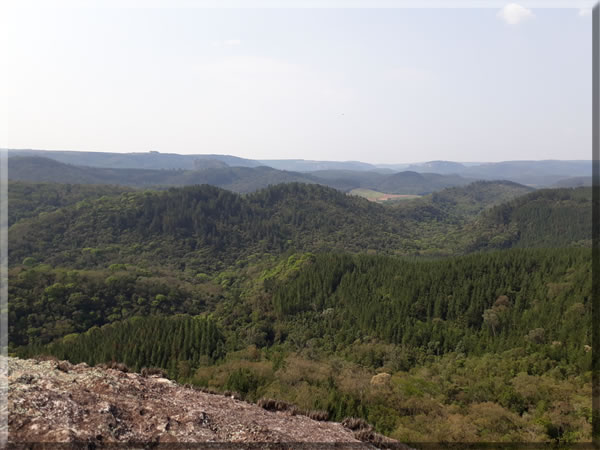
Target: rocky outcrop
(51, 401)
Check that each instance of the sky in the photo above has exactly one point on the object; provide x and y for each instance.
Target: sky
(375, 85)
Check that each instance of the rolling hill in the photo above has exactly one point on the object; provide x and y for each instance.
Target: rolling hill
(216, 173)
(574, 182)
(544, 218)
(301, 293)
(204, 226)
(409, 182)
(32, 199)
(148, 160)
(473, 198)
(544, 173)
(237, 179)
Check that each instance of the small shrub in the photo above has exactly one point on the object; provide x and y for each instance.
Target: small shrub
(150, 371)
(273, 405)
(378, 440)
(354, 423)
(232, 394)
(243, 381)
(318, 415)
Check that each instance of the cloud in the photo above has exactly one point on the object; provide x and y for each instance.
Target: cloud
(514, 13)
(585, 12)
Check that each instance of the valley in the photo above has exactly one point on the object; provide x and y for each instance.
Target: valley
(294, 226)
(412, 314)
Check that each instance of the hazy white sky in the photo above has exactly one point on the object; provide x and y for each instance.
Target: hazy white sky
(376, 85)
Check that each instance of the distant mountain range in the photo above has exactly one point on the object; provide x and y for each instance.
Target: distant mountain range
(543, 173)
(531, 173)
(302, 165)
(237, 179)
(149, 160)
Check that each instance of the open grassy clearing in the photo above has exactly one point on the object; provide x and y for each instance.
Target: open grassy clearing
(380, 197)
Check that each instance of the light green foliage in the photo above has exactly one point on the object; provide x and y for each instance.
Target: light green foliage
(299, 293)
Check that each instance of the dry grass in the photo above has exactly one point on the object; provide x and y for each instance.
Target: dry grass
(319, 415)
(273, 405)
(355, 423)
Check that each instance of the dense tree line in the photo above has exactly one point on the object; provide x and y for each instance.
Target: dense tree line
(472, 199)
(544, 218)
(46, 303)
(176, 343)
(498, 215)
(32, 199)
(473, 304)
(459, 337)
(204, 226)
(209, 228)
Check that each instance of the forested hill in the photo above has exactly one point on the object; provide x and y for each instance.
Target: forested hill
(544, 218)
(148, 160)
(237, 179)
(472, 199)
(217, 173)
(476, 303)
(207, 225)
(473, 304)
(28, 200)
(219, 290)
(409, 182)
(405, 182)
(498, 343)
(459, 204)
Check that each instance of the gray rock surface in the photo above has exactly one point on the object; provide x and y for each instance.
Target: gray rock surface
(51, 401)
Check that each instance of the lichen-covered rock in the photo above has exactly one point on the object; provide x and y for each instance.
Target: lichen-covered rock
(49, 401)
